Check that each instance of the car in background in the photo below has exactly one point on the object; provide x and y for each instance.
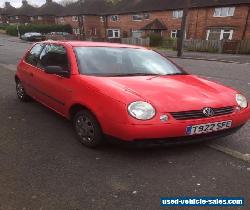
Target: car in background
(59, 33)
(33, 37)
(127, 92)
(59, 36)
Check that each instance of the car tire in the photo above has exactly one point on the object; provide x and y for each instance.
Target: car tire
(21, 94)
(87, 129)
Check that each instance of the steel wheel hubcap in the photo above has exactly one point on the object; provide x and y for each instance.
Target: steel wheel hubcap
(20, 90)
(85, 129)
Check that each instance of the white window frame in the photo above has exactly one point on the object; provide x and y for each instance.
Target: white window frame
(147, 14)
(17, 17)
(137, 31)
(76, 31)
(218, 12)
(177, 14)
(75, 18)
(62, 19)
(102, 19)
(222, 32)
(229, 31)
(174, 33)
(114, 18)
(93, 31)
(114, 31)
(137, 15)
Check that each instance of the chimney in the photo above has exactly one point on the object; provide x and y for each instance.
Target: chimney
(7, 4)
(25, 2)
(48, 1)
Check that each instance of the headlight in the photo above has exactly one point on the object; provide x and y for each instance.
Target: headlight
(241, 101)
(141, 110)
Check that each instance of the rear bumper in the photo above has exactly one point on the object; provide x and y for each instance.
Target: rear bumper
(170, 131)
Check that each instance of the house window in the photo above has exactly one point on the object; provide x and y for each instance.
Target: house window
(114, 18)
(39, 17)
(224, 12)
(140, 17)
(61, 19)
(102, 19)
(220, 34)
(32, 18)
(137, 33)
(146, 15)
(177, 13)
(74, 18)
(174, 34)
(93, 31)
(17, 17)
(113, 33)
(76, 31)
(137, 17)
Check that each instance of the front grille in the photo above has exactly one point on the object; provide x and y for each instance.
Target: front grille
(197, 114)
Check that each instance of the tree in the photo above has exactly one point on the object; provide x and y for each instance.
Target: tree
(182, 32)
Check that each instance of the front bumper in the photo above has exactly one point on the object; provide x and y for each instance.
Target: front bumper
(172, 129)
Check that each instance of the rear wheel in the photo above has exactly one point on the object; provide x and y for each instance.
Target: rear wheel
(88, 129)
(21, 94)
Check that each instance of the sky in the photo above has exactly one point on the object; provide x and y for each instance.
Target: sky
(18, 3)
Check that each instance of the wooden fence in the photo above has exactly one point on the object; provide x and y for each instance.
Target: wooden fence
(203, 45)
(136, 41)
(217, 46)
(244, 47)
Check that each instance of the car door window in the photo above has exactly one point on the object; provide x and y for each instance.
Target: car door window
(54, 55)
(33, 55)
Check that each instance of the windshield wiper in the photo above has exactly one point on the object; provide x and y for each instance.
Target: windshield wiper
(135, 74)
(179, 73)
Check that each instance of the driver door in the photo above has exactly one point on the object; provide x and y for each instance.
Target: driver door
(55, 91)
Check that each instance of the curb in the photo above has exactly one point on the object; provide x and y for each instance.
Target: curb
(207, 59)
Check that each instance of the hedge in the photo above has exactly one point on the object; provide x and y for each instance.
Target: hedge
(40, 28)
(155, 40)
(3, 26)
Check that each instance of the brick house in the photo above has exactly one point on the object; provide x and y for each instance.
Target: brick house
(84, 18)
(207, 19)
(47, 13)
(8, 14)
(24, 14)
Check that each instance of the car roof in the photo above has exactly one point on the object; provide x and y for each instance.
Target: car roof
(95, 44)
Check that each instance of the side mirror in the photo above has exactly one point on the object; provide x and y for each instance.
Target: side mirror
(58, 70)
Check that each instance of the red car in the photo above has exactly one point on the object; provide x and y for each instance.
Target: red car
(127, 92)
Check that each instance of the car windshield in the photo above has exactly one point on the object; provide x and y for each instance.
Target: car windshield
(108, 61)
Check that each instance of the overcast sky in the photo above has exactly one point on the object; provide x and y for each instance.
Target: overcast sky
(18, 3)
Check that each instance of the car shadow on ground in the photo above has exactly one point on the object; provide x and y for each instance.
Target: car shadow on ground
(59, 131)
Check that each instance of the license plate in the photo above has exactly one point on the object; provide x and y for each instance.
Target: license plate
(208, 128)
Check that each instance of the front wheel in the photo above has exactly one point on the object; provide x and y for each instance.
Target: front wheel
(88, 129)
(21, 94)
